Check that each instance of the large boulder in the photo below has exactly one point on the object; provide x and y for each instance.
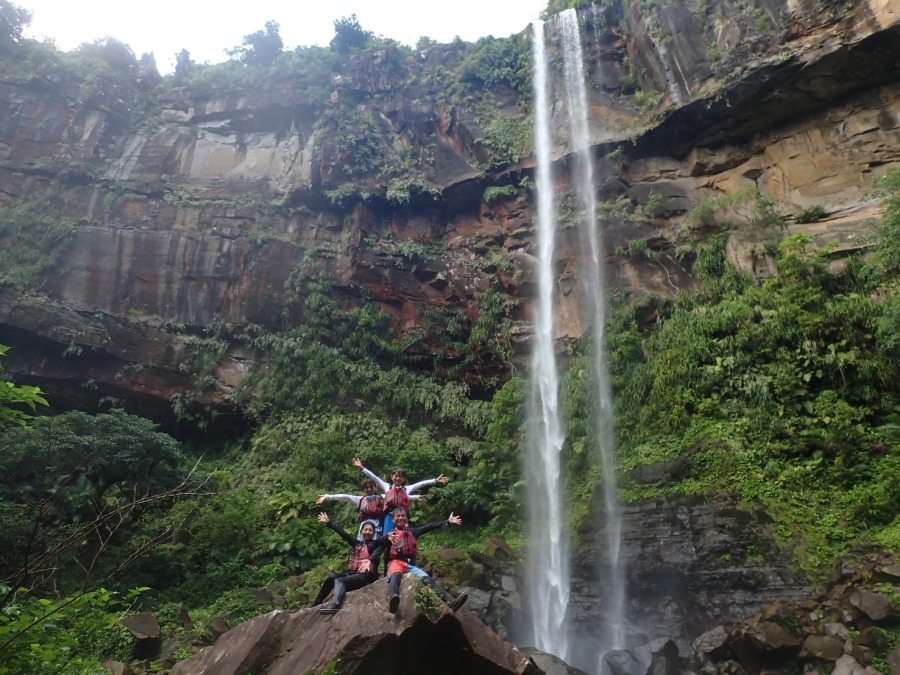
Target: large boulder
(363, 638)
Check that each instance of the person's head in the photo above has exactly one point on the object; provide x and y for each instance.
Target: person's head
(400, 516)
(369, 487)
(367, 530)
(398, 477)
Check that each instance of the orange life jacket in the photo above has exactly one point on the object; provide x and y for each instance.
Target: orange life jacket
(395, 497)
(359, 553)
(405, 546)
(371, 506)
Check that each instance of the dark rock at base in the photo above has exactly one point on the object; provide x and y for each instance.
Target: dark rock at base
(550, 664)
(364, 638)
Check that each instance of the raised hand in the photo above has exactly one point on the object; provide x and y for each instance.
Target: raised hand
(454, 520)
(320, 500)
(357, 462)
(323, 518)
(442, 480)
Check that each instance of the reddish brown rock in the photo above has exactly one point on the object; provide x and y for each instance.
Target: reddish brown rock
(364, 638)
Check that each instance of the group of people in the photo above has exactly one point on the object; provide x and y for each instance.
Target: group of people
(384, 530)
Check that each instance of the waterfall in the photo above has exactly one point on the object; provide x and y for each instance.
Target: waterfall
(548, 558)
(595, 293)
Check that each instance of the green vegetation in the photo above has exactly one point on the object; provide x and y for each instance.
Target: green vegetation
(345, 195)
(13, 398)
(557, 6)
(261, 48)
(349, 35)
(13, 20)
(344, 360)
(497, 193)
(811, 215)
(204, 353)
(35, 233)
(75, 511)
(70, 636)
(510, 139)
(784, 393)
(497, 63)
(646, 101)
(465, 346)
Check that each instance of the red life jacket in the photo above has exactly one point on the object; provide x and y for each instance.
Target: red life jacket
(405, 546)
(371, 506)
(359, 553)
(395, 497)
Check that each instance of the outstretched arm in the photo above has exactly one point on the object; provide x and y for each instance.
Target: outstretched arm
(422, 484)
(436, 525)
(357, 462)
(350, 499)
(325, 520)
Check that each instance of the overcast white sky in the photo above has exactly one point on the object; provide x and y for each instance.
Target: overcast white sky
(206, 27)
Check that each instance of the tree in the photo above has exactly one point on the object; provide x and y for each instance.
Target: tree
(424, 43)
(12, 395)
(114, 53)
(13, 20)
(348, 34)
(87, 462)
(73, 486)
(260, 48)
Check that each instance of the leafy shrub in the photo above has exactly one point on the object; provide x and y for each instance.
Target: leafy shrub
(347, 360)
(811, 215)
(492, 488)
(496, 193)
(345, 195)
(36, 234)
(888, 250)
(510, 139)
(13, 398)
(556, 6)
(496, 63)
(71, 635)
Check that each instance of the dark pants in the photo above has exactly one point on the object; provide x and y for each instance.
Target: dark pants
(327, 586)
(396, 578)
(350, 582)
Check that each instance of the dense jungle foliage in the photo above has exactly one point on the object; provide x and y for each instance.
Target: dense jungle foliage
(783, 392)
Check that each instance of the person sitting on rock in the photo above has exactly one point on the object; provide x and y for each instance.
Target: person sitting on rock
(396, 494)
(371, 505)
(362, 567)
(402, 558)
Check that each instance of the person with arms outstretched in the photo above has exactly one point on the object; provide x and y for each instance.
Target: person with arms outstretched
(402, 558)
(370, 505)
(396, 494)
(362, 566)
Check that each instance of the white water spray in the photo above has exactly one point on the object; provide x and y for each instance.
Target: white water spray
(548, 558)
(595, 291)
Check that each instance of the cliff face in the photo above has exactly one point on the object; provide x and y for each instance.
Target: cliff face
(189, 205)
